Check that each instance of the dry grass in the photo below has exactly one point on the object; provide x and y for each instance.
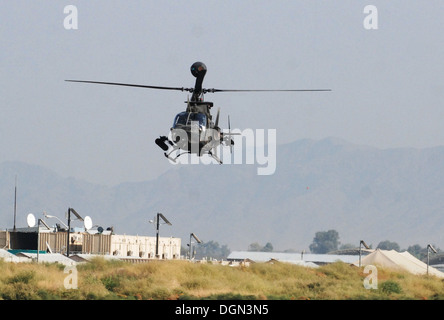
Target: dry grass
(162, 280)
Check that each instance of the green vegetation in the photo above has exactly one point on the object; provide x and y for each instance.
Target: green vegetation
(388, 245)
(257, 247)
(328, 241)
(181, 280)
(210, 249)
(325, 241)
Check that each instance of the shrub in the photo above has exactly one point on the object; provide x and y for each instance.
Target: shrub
(389, 287)
(22, 277)
(111, 282)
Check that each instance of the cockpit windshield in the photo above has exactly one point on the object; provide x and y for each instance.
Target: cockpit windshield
(185, 118)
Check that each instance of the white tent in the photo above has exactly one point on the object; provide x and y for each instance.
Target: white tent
(400, 261)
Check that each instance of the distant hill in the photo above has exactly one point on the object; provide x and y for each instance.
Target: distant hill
(362, 192)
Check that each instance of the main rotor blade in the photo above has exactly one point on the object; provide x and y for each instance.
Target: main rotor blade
(212, 90)
(234, 90)
(134, 85)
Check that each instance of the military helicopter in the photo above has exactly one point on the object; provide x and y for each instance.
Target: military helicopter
(193, 130)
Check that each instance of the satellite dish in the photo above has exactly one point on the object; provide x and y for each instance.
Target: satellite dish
(87, 223)
(30, 219)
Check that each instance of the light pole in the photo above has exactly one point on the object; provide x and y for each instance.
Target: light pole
(87, 222)
(38, 235)
(30, 219)
(362, 243)
(429, 247)
(159, 215)
(48, 216)
(192, 235)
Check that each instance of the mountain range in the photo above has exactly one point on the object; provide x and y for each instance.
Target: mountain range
(363, 192)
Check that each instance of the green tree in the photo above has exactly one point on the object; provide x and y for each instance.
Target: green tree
(325, 241)
(388, 245)
(347, 246)
(254, 247)
(420, 252)
(417, 251)
(268, 247)
(257, 247)
(211, 249)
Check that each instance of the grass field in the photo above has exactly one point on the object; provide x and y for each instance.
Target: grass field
(182, 280)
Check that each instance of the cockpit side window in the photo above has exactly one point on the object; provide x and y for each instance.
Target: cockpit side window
(181, 119)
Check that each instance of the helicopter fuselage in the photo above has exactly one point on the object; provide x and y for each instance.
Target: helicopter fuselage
(193, 130)
(195, 137)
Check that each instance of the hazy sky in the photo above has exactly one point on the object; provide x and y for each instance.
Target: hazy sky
(387, 83)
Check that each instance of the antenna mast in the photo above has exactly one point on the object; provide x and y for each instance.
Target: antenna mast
(15, 202)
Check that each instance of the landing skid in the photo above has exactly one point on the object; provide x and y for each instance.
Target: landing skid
(162, 143)
(215, 157)
(174, 159)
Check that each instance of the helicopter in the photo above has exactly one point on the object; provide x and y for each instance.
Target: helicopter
(193, 130)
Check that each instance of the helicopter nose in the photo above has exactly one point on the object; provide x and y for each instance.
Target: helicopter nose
(198, 68)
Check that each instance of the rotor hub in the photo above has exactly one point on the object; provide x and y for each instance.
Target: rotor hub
(198, 69)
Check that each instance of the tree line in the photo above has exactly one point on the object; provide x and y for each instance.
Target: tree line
(206, 250)
(328, 241)
(323, 242)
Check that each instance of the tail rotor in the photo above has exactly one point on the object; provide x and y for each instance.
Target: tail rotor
(229, 135)
(226, 137)
(216, 125)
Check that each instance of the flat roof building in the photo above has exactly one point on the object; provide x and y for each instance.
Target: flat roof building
(91, 243)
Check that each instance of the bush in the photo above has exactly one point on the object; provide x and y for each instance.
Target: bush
(389, 287)
(22, 277)
(111, 282)
(19, 291)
